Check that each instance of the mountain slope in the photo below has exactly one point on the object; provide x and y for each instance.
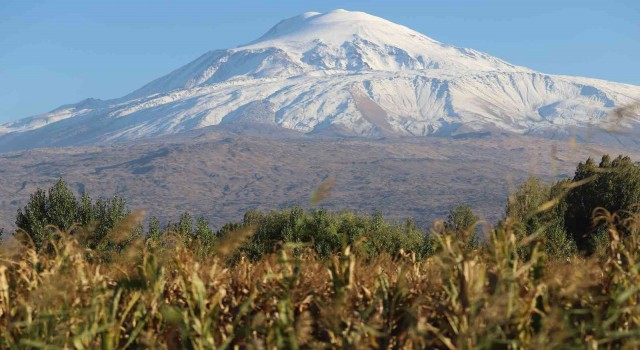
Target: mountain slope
(220, 175)
(340, 72)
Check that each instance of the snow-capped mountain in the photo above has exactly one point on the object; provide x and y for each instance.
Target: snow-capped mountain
(340, 72)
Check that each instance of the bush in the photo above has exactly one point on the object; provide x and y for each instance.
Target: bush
(328, 233)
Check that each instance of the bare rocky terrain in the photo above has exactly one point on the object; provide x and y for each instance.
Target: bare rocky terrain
(219, 174)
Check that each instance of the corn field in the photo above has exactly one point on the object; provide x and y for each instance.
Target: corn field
(504, 293)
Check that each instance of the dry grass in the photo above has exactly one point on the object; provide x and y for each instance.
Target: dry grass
(163, 296)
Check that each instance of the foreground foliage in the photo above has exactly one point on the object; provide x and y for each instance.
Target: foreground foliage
(561, 270)
(160, 294)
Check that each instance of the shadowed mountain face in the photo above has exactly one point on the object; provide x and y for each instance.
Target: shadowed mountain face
(221, 174)
(341, 73)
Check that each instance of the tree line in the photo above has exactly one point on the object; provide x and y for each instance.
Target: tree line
(563, 215)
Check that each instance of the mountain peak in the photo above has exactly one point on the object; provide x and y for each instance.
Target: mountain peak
(329, 43)
(358, 41)
(336, 26)
(342, 72)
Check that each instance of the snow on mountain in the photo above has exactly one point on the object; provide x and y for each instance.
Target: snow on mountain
(341, 72)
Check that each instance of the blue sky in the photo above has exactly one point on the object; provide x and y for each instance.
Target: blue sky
(59, 52)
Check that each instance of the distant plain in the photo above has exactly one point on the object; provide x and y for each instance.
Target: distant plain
(219, 174)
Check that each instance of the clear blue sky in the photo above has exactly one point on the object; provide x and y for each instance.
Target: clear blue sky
(59, 52)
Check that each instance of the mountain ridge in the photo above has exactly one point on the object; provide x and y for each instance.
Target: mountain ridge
(315, 70)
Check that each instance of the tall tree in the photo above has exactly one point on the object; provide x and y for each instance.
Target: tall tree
(462, 221)
(539, 208)
(612, 184)
(57, 207)
(461, 218)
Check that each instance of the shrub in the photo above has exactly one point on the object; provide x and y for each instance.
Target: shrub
(328, 233)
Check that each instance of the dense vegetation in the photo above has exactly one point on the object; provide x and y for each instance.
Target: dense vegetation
(561, 270)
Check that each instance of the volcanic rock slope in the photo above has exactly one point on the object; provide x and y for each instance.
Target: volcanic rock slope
(338, 73)
(220, 175)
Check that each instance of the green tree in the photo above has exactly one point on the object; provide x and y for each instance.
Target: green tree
(461, 221)
(184, 227)
(154, 230)
(62, 210)
(108, 213)
(57, 207)
(203, 233)
(327, 233)
(539, 208)
(86, 214)
(613, 185)
(461, 218)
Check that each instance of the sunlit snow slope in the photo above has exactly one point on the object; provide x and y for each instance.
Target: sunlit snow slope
(345, 73)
